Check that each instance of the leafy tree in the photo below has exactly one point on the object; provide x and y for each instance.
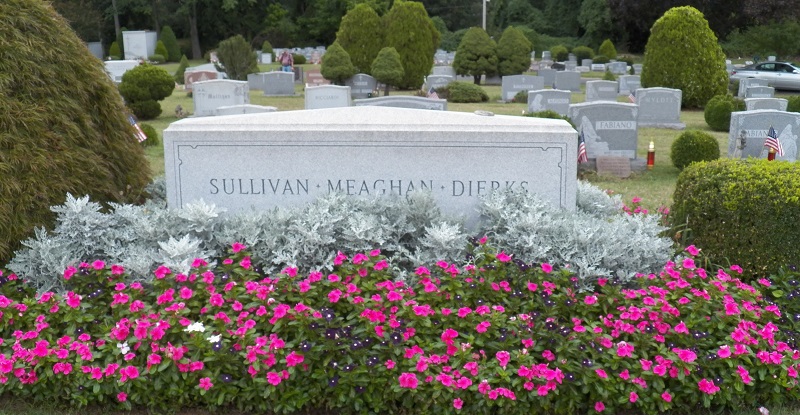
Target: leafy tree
(171, 43)
(607, 49)
(179, 73)
(476, 55)
(337, 66)
(595, 19)
(451, 40)
(360, 34)
(513, 52)
(700, 73)
(237, 58)
(440, 25)
(68, 134)
(411, 32)
(387, 68)
(562, 17)
(114, 51)
(380, 6)
(145, 85)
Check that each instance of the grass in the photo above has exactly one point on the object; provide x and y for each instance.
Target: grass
(654, 186)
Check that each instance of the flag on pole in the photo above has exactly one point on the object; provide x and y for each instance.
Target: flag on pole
(772, 141)
(432, 93)
(632, 97)
(139, 134)
(582, 156)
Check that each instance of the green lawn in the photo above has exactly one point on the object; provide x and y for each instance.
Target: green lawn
(655, 186)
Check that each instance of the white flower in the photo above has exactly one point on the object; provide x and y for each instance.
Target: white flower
(195, 327)
(215, 338)
(123, 347)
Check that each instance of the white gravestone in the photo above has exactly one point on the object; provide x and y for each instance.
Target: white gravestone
(598, 67)
(586, 62)
(244, 109)
(747, 83)
(549, 76)
(362, 85)
(327, 96)
(660, 108)
(778, 104)
(210, 95)
(513, 84)
(444, 70)
(618, 68)
(629, 83)
(290, 158)
(139, 44)
(403, 101)
(759, 92)
(749, 129)
(116, 69)
(278, 83)
(568, 80)
(609, 129)
(601, 91)
(438, 81)
(549, 99)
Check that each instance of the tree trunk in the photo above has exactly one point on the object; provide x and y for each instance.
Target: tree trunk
(117, 28)
(196, 52)
(156, 13)
(386, 90)
(477, 79)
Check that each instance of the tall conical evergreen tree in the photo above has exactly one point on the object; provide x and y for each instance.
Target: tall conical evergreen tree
(171, 43)
(63, 125)
(476, 55)
(337, 66)
(388, 68)
(361, 35)
(513, 52)
(411, 32)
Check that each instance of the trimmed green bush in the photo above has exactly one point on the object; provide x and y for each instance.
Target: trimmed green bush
(465, 92)
(583, 52)
(156, 59)
(114, 52)
(361, 35)
(411, 32)
(601, 59)
(550, 114)
(717, 112)
(153, 140)
(237, 58)
(299, 59)
(699, 72)
(387, 68)
(741, 212)
(521, 96)
(337, 66)
(608, 76)
(513, 52)
(266, 47)
(63, 125)
(143, 86)
(693, 146)
(167, 36)
(793, 104)
(181, 70)
(476, 55)
(161, 50)
(607, 49)
(559, 53)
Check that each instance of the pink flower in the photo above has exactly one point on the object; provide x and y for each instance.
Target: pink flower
(681, 328)
(547, 354)
(334, 296)
(724, 352)
(624, 349)
(236, 247)
(503, 257)
(122, 396)
(98, 265)
(547, 268)
(359, 258)
(483, 326)
(380, 265)
(293, 359)
(162, 272)
(692, 250)
(408, 380)
(633, 397)
(707, 386)
(274, 379)
(744, 374)
(457, 403)
(666, 396)
(688, 263)
(599, 407)
(601, 373)
(503, 357)
(69, 272)
(590, 299)
(390, 364)
(205, 383)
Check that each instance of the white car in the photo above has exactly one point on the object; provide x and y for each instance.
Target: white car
(779, 75)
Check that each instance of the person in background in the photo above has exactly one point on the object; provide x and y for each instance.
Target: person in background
(287, 61)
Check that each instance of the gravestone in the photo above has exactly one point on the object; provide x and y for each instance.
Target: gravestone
(513, 84)
(609, 129)
(759, 92)
(749, 129)
(404, 101)
(628, 84)
(598, 67)
(549, 76)
(298, 74)
(618, 68)
(586, 62)
(244, 109)
(637, 68)
(777, 104)
(570, 66)
(327, 96)
(139, 44)
(440, 57)
(96, 48)
(116, 69)
(265, 58)
(210, 95)
(190, 78)
(614, 166)
(316, 57)
(546, 56)
(493, 80)
(601, 91)
(291, 158)
(568, 81)
(257, 81)
(549, 99)
(660, 108)
(451, 56)
(747, 83)
(444, 70)
(315, 78)
(572, 58)
(437, 81)
(278, 83)
(362, 85)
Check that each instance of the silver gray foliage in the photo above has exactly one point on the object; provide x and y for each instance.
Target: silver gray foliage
(597, 239)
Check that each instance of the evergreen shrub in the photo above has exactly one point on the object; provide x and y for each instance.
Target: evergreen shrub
(153, 140)
(559, 53)
(337, 66)
(143, 86)
(465, 92)
(114, 51)
(361, 35)
(266, 47)
(717, 112)
(299, 59)
(237, 58)
(521, 96)
(63, 124)
(409, 30)
(607, 49)
(600, 59)
(387, 68)
(583, 52)
(741, 212)
(167, 36)
(513, 52)
(693, 146)
(609, 76)
(793, 103)
(476, 55)
(156, 59)
(179, 73)
(161, 49)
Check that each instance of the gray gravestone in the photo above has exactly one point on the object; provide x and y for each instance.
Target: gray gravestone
(278, 83)
(570, 66)
(549, 99)
(513, 84)
(116, 69)
(362, 85)
(400, 101)
(777, 104)
(598, 67)
(257, 81)
(199, 74)
(749, 129)
(572, 58)
(444, 70)
(601, 91)
(549, 76)
(660, 108)
(629, 83)
(210, 95)
(609, 128)
(291, 158)
(749, 82)
(568, 81)
(586, 62)
(546, 55)
(618, 68)
(438, 81)
(96, 48)
(244, 109)
(637, 68)
(327, 96)
(759, 92)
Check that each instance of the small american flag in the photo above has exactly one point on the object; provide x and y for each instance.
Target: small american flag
(582, 156)
(632, 97)
(432, 93)
(772, 141)
(140, 135)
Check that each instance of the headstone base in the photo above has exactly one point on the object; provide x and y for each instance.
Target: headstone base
(670, 126)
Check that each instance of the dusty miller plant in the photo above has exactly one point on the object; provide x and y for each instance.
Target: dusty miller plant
(596, 239)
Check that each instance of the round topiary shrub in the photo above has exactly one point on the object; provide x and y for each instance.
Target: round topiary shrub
(114, 51)
(299, 59)
(521, 96)
(583, 52)
(600, 59)
(153, 139)
(608, 76)
(692, 146)
(64, 125)
(465, 92)
(156, 59)
(266, 47)
(161, 49)
(700, 73)
(717, 112)
(559, 53)
(143, 86)
(607, 49)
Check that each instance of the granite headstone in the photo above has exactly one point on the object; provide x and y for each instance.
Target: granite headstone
(759, 92)
(210, 95)
(512, 84)
(749, 129)
(362, 85)
(660, 108)
(549, 99)
(609, 128)
(327, 96)
(568, 81)
(278, 83)
(629, 83)
(778, 104)
(549, 76)
(747, 83)
(601, 91)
